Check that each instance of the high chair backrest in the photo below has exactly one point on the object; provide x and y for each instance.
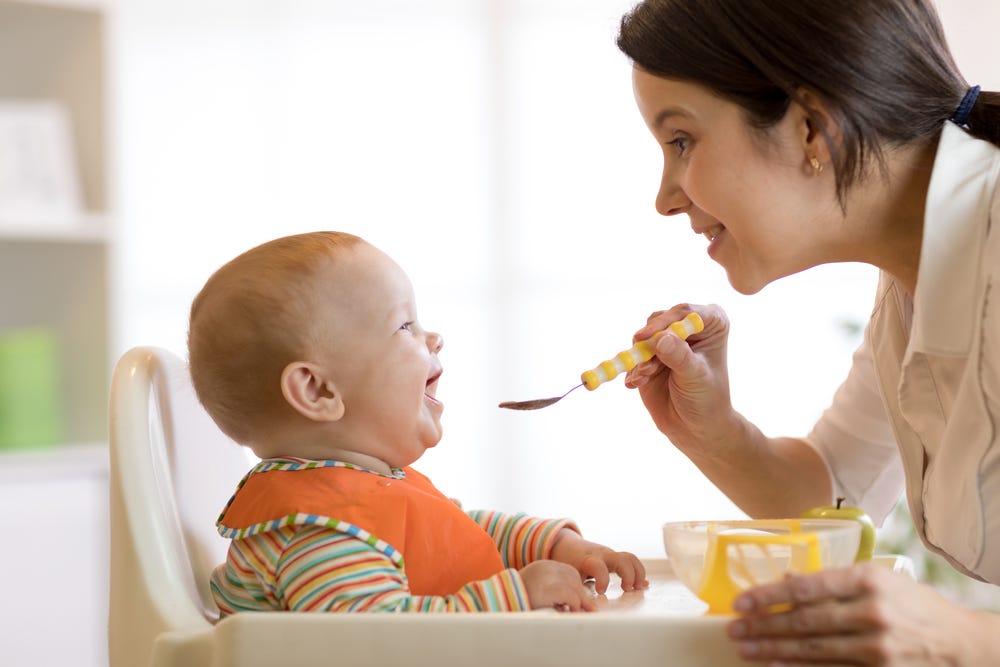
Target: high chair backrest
(172, 471)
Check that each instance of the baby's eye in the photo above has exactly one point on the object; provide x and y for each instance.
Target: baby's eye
(407, 326)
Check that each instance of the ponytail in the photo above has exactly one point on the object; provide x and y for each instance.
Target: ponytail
(984, 117)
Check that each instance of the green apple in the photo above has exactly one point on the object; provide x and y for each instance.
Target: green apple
(867, 546)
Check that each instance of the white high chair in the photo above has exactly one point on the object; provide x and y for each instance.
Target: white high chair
(168, 463)
(172, 471)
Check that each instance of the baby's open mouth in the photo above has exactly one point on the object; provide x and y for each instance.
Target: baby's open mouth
(432, 386)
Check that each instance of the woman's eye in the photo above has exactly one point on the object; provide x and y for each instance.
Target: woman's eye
(680, 143)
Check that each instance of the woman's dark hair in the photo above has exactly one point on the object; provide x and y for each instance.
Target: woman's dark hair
(881, 67)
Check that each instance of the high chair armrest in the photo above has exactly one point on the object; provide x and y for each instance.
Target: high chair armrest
(184, 647)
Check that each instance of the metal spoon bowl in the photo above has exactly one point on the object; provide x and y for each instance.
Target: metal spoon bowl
(537, 403)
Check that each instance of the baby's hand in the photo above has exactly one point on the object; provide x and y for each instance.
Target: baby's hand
(552, 584)
(597, 561)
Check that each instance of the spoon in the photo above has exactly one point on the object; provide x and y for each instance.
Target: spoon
(622, 362)
(536, 403)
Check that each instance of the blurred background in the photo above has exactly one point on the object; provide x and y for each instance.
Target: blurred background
(492, 147)
(494, 150)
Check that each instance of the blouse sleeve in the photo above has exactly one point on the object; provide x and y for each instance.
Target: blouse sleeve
(856, 441)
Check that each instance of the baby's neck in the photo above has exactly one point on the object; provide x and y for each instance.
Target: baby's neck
(325, 453)
(358, 459)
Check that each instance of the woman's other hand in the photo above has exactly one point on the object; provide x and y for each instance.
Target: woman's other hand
(862, 615)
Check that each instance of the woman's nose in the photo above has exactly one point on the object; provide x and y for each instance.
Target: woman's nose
(435, 341)
(671, 199)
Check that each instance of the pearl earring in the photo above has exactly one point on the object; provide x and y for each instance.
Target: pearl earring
(816, 165)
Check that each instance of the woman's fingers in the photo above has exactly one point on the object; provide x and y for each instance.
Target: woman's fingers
(805, 589)
(862, 615)
(641, 374)
(657, 322)
(713, 317)
(669, 345)
(832, 617)
(661, 319)
(830, 650)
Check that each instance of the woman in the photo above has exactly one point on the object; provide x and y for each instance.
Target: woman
(800, 132)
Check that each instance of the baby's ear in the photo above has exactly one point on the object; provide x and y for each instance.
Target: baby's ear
(311, 393)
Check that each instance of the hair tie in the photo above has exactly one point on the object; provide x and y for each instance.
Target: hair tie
(961, 115)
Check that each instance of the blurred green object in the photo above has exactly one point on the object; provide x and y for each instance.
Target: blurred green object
(897, 536)
(29, 389)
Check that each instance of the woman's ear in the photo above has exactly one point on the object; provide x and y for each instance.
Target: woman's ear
(311, 393)
(818, 128)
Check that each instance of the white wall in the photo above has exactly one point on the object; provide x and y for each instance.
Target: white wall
(494, 150)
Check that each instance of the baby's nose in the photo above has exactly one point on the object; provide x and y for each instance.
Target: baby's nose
(435, 341)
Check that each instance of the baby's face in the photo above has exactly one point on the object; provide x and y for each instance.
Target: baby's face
(382, 361)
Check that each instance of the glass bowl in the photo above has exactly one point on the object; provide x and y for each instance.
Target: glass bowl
(717, 560)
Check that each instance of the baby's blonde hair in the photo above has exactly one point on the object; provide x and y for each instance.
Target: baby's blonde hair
(249, 321)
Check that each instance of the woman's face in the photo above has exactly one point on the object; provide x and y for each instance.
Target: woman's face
(752, 194)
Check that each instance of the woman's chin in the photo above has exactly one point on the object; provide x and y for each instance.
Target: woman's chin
(744, 284)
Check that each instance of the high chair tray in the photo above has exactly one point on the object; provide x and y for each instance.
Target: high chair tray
(664, 624)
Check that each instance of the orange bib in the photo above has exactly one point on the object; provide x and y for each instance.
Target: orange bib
(438, 546)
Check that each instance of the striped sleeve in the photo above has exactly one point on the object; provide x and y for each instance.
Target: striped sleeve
(521, 539)
(323, 570)
(245, 582)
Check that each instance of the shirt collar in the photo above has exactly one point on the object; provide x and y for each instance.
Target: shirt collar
(962, 187)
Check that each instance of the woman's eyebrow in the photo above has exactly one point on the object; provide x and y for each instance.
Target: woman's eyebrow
(670, 112)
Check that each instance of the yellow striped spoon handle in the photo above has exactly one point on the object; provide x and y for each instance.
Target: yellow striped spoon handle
(638, 353)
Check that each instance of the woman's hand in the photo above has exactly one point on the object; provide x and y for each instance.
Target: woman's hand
(598, 561)
(685, 387)
(863, 615)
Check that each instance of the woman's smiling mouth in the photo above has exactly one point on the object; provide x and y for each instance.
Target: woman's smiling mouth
(710, 234)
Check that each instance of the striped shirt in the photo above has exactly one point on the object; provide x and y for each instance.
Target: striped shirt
(316, 568)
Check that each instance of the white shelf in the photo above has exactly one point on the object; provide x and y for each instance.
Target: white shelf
(83, 228)
(91, 5)
(55, 277)
(50, 501)
(55, 272)
(66, 460)
(57, 53)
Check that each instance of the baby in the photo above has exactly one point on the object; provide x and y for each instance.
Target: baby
(307, 350)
